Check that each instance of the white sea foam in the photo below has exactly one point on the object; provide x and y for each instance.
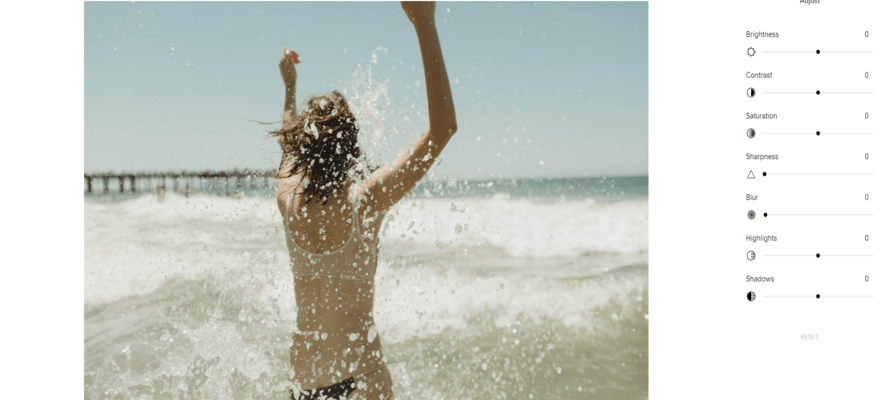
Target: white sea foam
(524, 228)
(133, 246)
(424, 303)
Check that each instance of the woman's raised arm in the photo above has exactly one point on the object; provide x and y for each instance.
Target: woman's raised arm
(387, 185)
(288, 75)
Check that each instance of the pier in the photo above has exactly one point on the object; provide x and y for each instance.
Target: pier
(232, 181)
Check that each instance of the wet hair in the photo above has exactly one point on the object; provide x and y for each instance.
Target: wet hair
(322, 144)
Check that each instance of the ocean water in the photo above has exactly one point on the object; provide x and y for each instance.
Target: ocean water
(523, 289)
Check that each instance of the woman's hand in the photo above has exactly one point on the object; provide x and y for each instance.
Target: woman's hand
(288, 67)
(419, 12)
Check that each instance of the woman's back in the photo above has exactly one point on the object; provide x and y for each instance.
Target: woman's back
(333, 262)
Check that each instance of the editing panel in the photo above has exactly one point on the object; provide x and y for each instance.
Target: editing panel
(765, 247)
(808, 176)
(808, 257)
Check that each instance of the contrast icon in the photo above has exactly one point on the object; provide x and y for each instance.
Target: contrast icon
(750, 133)
(751, 255)
(751, 296)
(751, 92)
(751, 214)
(751, 51)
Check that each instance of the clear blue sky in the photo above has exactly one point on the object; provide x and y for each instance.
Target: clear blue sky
(565, 84)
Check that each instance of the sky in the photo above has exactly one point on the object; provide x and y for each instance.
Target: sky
(547, 89)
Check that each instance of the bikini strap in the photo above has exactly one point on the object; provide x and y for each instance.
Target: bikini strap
(355, 224)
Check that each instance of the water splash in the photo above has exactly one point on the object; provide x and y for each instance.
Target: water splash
(371, 103)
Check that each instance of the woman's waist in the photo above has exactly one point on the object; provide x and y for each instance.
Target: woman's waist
(340, 318)
(320, 360)
(349, 332)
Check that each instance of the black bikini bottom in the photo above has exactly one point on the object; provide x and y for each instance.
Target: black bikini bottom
(332, 392)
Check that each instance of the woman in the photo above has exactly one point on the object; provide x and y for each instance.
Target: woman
(332, 228)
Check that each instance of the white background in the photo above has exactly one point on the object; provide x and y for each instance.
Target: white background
(707, 340)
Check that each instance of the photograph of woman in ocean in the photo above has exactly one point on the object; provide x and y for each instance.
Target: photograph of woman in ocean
(459, 221)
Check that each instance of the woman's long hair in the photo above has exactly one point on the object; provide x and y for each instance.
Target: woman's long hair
(322, 144)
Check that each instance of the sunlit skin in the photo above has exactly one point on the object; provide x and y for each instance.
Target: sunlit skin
(343, 309)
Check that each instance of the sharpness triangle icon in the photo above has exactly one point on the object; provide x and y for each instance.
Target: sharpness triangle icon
(751, 175)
